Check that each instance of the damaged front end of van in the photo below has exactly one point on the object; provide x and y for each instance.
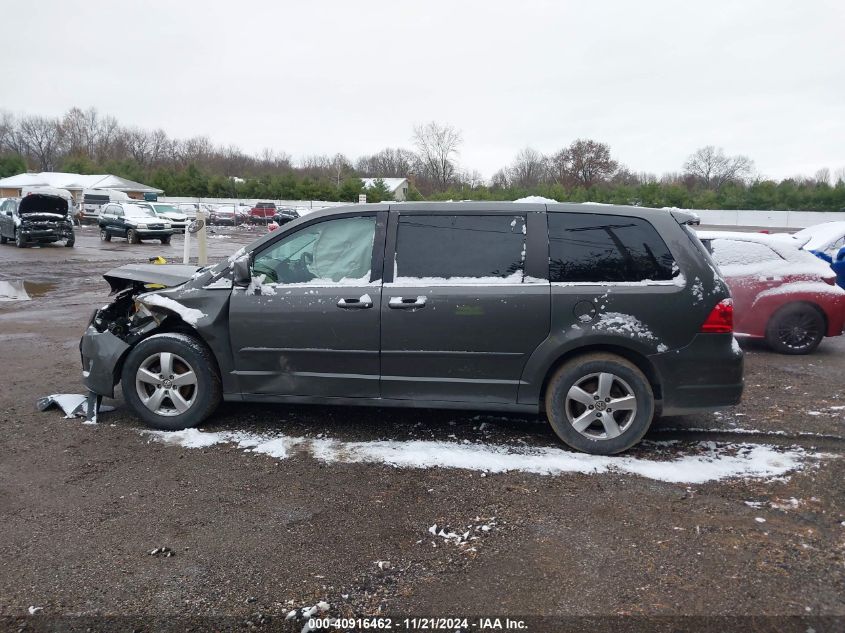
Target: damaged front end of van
(149, 299)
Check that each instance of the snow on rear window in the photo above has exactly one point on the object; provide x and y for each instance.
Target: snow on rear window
(740, 253)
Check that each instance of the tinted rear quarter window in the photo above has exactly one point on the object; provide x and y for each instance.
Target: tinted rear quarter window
(461, 246)
(596, 248)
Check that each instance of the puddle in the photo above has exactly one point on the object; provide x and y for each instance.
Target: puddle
(38, 288)
(23, 290)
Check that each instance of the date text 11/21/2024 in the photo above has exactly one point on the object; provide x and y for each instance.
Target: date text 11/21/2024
(418, 624)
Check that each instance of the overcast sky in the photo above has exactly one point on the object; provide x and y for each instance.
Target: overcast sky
(655, 80)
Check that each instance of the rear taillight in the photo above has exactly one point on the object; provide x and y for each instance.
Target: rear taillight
(830, 280)
(721, 318)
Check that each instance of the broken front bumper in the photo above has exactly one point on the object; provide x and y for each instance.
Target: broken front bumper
(101, 355)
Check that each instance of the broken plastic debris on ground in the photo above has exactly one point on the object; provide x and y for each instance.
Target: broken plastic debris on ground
(464, 538)
(304, 614)
(697, 462)
(74, 405)
(13, 291)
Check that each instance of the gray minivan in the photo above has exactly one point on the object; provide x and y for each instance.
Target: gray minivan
(600, 316)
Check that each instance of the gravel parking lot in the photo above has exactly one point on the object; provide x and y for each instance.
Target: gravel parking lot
(272, 508)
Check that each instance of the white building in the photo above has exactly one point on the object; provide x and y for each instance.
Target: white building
(76, 184)
(397, 186)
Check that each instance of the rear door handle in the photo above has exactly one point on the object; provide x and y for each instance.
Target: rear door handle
(406, 303)
(362, 303)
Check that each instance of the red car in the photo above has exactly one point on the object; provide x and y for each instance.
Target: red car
(781, 294)
(263, 212)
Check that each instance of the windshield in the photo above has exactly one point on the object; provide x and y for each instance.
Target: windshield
(140, 212)
(165, 208)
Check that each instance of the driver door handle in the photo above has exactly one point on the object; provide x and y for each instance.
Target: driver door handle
(406, 303)
(362, 303)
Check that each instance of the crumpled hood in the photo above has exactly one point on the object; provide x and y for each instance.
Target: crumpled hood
(165, 274)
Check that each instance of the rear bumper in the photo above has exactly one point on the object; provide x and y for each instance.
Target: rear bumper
(704, 375)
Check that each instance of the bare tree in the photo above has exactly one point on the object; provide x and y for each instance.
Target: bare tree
(500, 180)
(389, 163)
(822, 176)
(560, 167)
(341, 168)
(195, 150)
(529, 169)
(437, 148)
(590, 162)
(714, 169)
(138, 145)
(7, 131)
(41, 137)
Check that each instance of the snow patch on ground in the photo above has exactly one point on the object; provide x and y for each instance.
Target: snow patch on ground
(698, 463)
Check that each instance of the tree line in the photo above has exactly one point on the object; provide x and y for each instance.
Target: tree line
(87, 142)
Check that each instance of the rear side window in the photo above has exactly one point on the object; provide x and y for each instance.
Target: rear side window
(593, 248)
(461, 247)
(741, 253)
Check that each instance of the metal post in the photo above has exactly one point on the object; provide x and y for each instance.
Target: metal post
(202, 240)
(186, 253)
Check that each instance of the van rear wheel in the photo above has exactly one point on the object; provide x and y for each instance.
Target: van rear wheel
(599, 403)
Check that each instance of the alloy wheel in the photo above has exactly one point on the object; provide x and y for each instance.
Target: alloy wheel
(166, 384)
(601, 406)
(798, 330)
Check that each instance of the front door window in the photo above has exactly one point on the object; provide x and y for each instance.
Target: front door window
(335, 252)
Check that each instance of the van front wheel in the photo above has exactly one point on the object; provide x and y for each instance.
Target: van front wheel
(171, 382)
(599, 403)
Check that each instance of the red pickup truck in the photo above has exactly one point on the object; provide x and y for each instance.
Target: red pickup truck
(262, 212)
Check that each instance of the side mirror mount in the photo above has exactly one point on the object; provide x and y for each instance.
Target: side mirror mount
(240, 270)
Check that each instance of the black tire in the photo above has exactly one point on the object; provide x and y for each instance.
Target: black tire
(797, 328)
(132, 236)
(70, 242)
(165, 240)
(105, 236)
(199, 359)
(20, 242)
(582, 372)
(3, 239)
